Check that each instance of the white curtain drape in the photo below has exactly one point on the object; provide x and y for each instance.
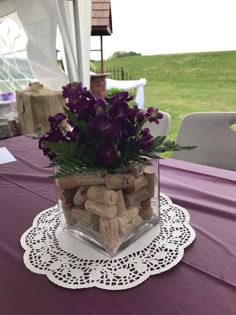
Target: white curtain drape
(40, 23)
(74, 20)
(64, 13)
(40, 20)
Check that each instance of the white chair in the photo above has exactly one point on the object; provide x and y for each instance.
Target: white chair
(160, 129)
(215, 140)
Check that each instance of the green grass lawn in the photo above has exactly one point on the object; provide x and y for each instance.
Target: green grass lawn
(185, 83)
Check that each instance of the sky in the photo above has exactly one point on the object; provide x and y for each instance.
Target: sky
(153, 27)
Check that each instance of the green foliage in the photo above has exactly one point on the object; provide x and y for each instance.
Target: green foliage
(71, 116)
(71, 158)
(113, 91)
(122, 54)
(93, 66)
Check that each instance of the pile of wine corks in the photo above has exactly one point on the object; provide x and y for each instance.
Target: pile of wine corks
(112, 205)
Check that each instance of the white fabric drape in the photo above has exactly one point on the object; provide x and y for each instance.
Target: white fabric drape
(128, 85)
(40, 20)
(65, 19)
(40, 23)
(74, 20)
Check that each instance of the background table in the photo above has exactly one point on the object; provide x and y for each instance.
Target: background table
(204, 283)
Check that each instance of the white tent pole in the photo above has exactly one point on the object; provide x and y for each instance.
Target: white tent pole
(82, 22)
(78, 40)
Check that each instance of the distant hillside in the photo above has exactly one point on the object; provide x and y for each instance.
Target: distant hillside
(185, 83)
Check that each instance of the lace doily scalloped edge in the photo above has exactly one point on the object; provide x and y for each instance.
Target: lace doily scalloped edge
(50, 276)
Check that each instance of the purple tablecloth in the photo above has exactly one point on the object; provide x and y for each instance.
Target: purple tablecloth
(204, 283)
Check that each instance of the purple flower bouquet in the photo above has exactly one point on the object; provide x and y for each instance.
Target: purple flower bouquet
(106, 167)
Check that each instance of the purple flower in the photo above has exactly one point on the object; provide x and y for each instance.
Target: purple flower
(120, 96)
(70, 89)
(51, 136)
(107, 153)
(146, 144)
(140, 117)
(153, 115)
(119, 107)
(92, 129)
(100, 107)
(107, 126)
(80, 101)
(145, 132)
(132, 112)
(56, 120)
(146, 141)
(109, 129)
(131, 130)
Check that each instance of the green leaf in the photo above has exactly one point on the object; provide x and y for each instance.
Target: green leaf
(71, 116)
(62, 148)
(82, 125)
(171, 146)
(158, 141)
(67, 168)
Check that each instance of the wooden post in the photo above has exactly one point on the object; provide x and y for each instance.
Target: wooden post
(102, 62)
(122, 74)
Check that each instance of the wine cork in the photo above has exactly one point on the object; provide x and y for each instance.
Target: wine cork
(78, 179)
(137, 197)
(67, 182)
(95, 220)
(129, 215)
(79, 198)
(67, 213)
(149, 173)
(101, 195)
(136, 170)
(67, 195)
(67, 206)
(90, 179)
(146, 203)
(131, 225)
(83, 189)
(121, 207)
(110, 233)
(70, 220)
(84, 218)
(119, 181)
(139, 183)
(108, 212)
(146, 210)
(111, 197)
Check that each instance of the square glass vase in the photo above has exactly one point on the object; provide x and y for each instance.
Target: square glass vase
(110, 211)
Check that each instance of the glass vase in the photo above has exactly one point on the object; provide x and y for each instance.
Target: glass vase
(110, 211)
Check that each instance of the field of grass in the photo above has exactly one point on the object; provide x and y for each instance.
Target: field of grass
(185, 83)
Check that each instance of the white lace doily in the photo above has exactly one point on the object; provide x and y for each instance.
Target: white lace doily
(72, 264)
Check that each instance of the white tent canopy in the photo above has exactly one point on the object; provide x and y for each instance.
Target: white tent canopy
(39, 20)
